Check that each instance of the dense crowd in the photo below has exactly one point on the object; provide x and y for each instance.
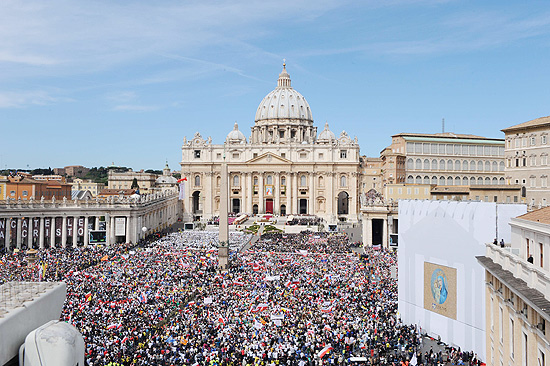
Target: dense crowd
(291, 299)
(304, 220)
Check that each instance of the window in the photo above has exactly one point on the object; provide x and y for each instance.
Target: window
(25, 193)
(269, 180)
(303, 155)
(283, 181)
(543, 160)
(410, 179)
(457, 165)
(321, 156)
(218, 155)
(426, 164)
(283, 155)
(449, 165)
(418, 164)
(410, 164)
(197, 180)
(541, 248)
(543, 139)
(512, 338)
(532, 140)
(197, 154)
(434, 164)
(343, 154)
(343, 182)
(255, 181)
(235, 180)
(235, 155)
(500, 324)
(282, 134)
(303, 181)
(255, 155)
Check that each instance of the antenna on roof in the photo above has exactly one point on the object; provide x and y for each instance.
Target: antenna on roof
(443, 125)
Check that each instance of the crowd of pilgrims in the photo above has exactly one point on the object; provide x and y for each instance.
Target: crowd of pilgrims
(287, 300)
(304, 220)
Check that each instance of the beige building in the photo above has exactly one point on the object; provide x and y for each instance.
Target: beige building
(526, 153)
(371, 174)
(80, 184)
(395, 192)
(284, 168)
(123, 180)
(508, 193)
(518, 293)
(444, 159)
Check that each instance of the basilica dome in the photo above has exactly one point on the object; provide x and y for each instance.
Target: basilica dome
(284, 105)
(326, 135)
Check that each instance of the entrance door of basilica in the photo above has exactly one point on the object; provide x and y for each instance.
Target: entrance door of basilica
(269, 206)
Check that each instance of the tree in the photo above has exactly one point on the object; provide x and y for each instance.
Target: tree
(135, 184)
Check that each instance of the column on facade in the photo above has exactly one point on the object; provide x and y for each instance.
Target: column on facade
(354, 191)
(75, 231)
(86, 234)
(29, 233)
(7, 239)
(208, 208)
(64, 232)
(52, 232)
(295, 193)
(41, 234)
(128, 229)
(250, 190)
(277, 193)
(107, 229)
(244, 202)
(330, 195)
(289, 193)
(311, 206)
(261, 193)
(385, 232)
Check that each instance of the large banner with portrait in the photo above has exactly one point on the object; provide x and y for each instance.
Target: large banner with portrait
(440, 289)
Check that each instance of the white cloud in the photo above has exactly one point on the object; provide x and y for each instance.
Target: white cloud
(22, 99)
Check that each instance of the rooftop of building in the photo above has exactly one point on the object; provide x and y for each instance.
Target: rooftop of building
(541, 215)
(537, 122)
(116, 192)
(446, 136)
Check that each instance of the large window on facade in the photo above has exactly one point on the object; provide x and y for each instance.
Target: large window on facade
(343, 181)
(303, 182)
(197, 180)
(269, 180)
(235, 181)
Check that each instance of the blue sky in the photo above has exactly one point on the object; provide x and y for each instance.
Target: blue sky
(96, 82)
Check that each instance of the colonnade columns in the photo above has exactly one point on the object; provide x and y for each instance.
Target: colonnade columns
(277, 193)
(64, 232)
(385, 233)
(128, 229)
(52, 232)
(86, 235)
(107, 230)
(208, 207)
(29, 233)
(112, 238)
(19, 237)
(7, 239)
(41, 235)
(289, 194)
(75, 231)
(367, 241)
(261, 193)
(311, 206)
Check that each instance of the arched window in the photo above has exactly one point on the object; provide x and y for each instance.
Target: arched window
(450, 181)
(441, 181)
(495, 166)
(487, 166)
(487, 180)
(465, 181)
(410, 164)
(197, 180)
(303, 181)
(426, 164)
(441, 164)
(235, 181)
(501, 166)
(218, 181)
(434, 164)
(410, 179)
(434, 180)
(321, 181)
(457, 164)
(472, 181)
(269, 180)
(426, 180)
(479, 181)
(343, 182)
(457, 181)
(449, 165)
(418, 179)
(495, 181)
(255, 181)
(501, 181)
(418, 164)
(465, 165)
(479, 166)
(472, 165)
(283, 181)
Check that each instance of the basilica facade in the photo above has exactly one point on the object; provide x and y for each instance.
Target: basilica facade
(284, 168)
